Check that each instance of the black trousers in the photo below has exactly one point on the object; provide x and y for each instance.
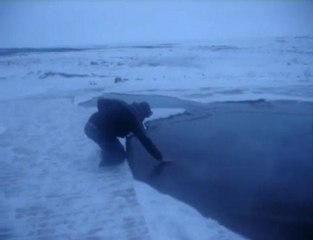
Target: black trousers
(113, 150)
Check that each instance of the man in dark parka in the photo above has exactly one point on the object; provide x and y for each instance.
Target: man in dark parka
(116, 118)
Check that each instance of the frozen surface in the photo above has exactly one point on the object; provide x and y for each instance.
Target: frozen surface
(2, 128)
(160, 113)
(170, 219)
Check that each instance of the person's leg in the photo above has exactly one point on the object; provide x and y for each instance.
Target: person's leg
(92, 132)
(113, 151)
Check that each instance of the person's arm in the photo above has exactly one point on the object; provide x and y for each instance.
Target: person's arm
(147, 143)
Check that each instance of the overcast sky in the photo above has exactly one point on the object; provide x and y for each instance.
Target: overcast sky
(81, 23)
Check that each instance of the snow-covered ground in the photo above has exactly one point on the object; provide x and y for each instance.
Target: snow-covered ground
(168, 218)
(276, 68)
(51, 186)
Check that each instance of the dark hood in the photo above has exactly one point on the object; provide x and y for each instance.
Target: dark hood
(142, 110)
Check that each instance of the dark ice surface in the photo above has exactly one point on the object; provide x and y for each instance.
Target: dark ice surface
(248, 165)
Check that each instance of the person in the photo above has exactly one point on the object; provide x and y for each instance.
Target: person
(116, 118)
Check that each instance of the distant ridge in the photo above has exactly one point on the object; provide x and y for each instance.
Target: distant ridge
(16, 51)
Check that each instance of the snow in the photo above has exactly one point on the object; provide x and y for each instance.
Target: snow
(170, 219)
(161, 113)
(2, 128)
(51, 186)
(271, 68)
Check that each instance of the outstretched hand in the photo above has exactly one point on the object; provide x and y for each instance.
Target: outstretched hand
(160, 166)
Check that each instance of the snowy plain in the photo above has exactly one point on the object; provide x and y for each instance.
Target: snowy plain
(41, 120)
(272, 68)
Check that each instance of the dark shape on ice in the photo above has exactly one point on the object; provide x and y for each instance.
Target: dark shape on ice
(60, 74)
(120, 80)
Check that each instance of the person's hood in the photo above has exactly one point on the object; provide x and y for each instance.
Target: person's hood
(142, 110)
